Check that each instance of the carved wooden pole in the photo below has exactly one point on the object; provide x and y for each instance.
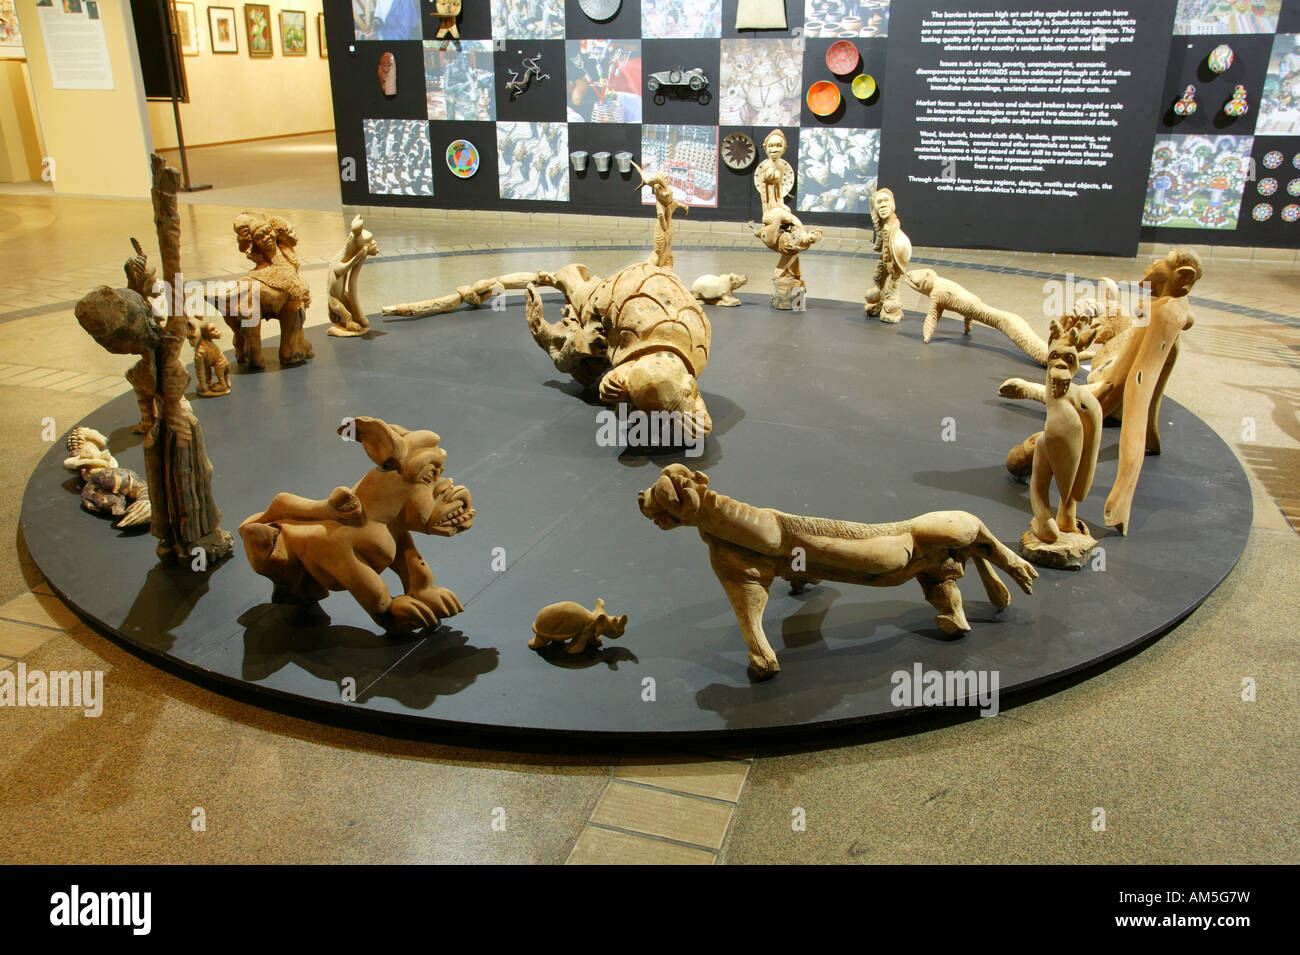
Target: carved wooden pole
(185, 516)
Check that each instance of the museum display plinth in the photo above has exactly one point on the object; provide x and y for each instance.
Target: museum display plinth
(820, 412)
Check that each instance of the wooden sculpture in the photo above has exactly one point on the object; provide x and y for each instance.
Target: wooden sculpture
(575, 623)
(750, 546)
(210, 365)
(185, 518)
(309, 548)
(718, 289)
(895, 250)
(107, 489)
(344, 273)
(388, 74)
(447, 11)
(947, 295)
(274, 290)
(1065, 453)
(665, 206)
(1129, 375)
(639, 336)
(781, 230)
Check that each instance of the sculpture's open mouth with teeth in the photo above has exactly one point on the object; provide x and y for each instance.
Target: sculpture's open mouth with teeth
(454, 513)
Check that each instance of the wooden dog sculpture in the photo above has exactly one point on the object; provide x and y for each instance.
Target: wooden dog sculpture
(308, 548)
(749, 546)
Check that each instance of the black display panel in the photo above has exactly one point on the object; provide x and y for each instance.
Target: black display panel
(1023, 126)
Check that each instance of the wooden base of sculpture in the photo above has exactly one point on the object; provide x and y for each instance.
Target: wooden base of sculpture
(788, 294)
(1067, 552)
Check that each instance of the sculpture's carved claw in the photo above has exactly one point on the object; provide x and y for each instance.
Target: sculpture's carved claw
(408, 614)
(1023, 573)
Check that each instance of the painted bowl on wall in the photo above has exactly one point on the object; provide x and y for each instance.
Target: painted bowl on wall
(462, 158)
(864, 86)
(823, 98)
(842, 58)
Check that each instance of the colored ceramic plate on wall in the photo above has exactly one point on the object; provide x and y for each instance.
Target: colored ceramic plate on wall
(842, 58)
(864, 86)
(823, 98)
(462, 158)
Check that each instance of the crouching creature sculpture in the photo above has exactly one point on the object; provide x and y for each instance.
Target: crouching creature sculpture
(573, 622)
(750, 546)
(309, 548)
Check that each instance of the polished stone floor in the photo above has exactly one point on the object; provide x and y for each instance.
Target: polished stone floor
(1184, 769)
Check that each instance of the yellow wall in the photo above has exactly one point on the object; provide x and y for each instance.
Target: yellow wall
(99, 140)
(20, 149)
(234, 96)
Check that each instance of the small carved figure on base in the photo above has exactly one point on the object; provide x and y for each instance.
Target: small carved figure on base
(781, 230)
(750, 546)
(344, 273)
(665, 206)
(210, 365)
(573, 622)
(895, 250)
(1065, 453)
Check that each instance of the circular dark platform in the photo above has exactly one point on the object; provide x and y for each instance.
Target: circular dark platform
(823, 413)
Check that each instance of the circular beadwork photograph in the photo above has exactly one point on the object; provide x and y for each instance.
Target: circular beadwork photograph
(1266, 186)
(1262, 212)
(1272, 159)
(462, 158)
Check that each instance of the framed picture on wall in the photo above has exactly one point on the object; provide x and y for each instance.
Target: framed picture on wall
(257, 24)
(11, 38)
(186, 26)
(224, 33)
(320, 34)
(293, 33)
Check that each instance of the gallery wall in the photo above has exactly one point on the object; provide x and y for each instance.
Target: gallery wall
(235, 96)
(1204, 177)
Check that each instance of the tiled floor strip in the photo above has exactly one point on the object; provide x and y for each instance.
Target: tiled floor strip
(663, 811)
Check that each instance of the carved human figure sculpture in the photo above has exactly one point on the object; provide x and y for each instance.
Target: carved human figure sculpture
(447, 12)
(1129, 374)
(639, 337)
(184, 515)
(774, 176)
(665, 206)
(275, 290)
(574, 623)
(895, 250)
(388, 74)
(343, 275)
(1065, 453)
(308, 548)
(751, 546)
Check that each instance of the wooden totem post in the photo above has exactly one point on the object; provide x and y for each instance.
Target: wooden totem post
(185, 516)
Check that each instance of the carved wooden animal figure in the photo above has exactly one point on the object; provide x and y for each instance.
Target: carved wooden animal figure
(274, 290)
(119, 493)
(210, 365)
(750, 546)
(575, 623)
(349, 319)
(717, 289)
(1067, 450)
(947, 295)
(665, 206)
(309, 548)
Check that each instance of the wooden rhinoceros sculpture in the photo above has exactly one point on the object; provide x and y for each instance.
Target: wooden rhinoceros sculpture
(573, 622)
